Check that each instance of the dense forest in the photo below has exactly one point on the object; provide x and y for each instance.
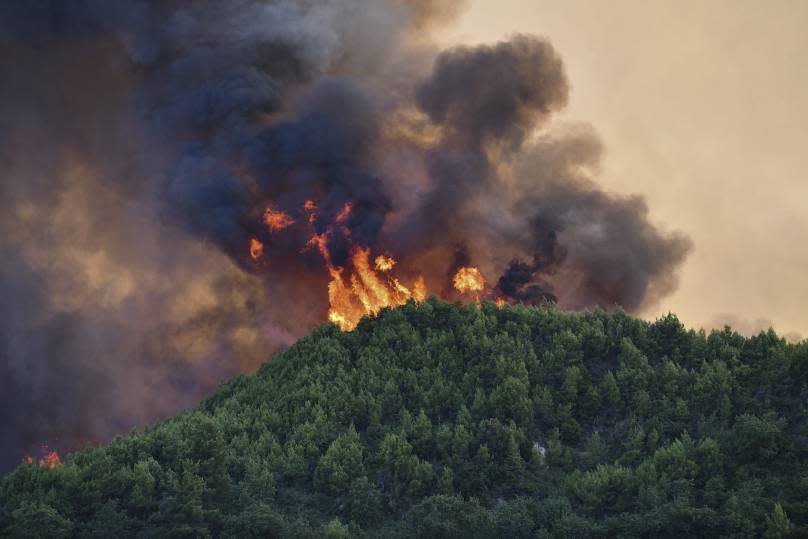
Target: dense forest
(442, 420)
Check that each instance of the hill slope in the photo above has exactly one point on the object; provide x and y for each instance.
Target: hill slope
(437, 420)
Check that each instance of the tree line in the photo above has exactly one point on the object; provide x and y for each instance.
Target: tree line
(443, 420)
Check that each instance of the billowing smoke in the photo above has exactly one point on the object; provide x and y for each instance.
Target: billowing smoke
(181, 181)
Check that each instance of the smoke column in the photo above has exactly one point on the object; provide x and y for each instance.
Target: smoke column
(162, 162)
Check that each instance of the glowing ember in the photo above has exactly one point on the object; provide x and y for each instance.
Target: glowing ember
(468, 280)
(384, 263)
(345, 213)
(500, 302)
(310, 207)
(277, 220)
(256, 249)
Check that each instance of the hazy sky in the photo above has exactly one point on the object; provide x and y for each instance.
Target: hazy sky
(703, 108)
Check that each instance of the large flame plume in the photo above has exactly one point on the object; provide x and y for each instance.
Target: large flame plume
(357, 288)
(468, 280)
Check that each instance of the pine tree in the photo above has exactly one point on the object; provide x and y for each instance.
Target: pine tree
(777, 524)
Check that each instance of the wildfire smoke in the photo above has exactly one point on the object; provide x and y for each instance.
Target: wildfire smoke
(190, 186)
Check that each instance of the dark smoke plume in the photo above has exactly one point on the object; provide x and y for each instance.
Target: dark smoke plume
(142, 141)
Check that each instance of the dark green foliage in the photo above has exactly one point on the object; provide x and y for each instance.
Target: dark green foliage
(33, 519)
(439, 420)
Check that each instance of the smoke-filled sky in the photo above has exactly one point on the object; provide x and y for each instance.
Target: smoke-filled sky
(702, 108)
(189, 186)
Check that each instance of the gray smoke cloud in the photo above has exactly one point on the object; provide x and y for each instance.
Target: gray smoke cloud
(142, 141)
(494, 95)
(594, 247)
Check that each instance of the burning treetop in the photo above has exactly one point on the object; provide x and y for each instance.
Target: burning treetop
(359, 290)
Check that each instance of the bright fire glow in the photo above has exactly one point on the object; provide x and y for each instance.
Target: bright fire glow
(50, 459)
(364, 284)
(359, 289)
(384, 263)
(256, 249)
(419, 291)
(277, 220)
(468, 280)
(368, 291)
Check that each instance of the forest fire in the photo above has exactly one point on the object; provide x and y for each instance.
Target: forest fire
(49, 459)
(261, 169)
(384, 263)
(468, 280)
(362, 285)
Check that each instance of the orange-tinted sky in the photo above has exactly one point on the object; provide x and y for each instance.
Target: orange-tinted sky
(703, 108)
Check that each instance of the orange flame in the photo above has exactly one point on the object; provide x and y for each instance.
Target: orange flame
(50, 459)
(343, 215)
(277, 220)
(363, 285)
(468, 280)
(384, 263)
(419, 291)
(256, 249)
(368, 293)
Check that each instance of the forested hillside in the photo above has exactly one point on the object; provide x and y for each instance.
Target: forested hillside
(439, 420)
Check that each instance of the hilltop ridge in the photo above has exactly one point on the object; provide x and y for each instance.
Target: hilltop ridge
(443, 420)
